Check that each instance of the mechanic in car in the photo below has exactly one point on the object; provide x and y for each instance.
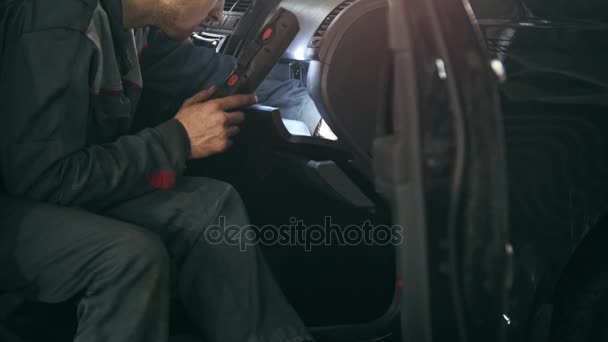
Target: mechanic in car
(96, 212)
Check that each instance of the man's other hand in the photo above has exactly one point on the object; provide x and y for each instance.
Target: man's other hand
(211, 125)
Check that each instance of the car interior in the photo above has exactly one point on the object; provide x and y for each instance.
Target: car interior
(342, 292)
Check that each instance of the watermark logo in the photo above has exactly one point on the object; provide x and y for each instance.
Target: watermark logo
(307, 236)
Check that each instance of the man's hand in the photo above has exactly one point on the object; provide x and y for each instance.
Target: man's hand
(211, 125)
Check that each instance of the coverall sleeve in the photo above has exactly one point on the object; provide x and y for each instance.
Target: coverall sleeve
(181, 68)
(174, 71)
(46, 119)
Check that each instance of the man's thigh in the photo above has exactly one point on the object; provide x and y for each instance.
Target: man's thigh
(51, 253)
(181, 215)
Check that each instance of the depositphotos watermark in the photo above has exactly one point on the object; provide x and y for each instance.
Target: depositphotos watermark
(299, 234)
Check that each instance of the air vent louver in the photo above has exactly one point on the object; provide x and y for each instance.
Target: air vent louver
(327, 22)
(239, 6)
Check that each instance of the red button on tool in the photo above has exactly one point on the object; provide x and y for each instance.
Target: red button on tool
(233, 80)
(267, 34)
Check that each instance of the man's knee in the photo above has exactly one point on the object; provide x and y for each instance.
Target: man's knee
(230, 193)
(231, 209)
(144, 250)
(223, 196)
(137, 254)
(215, 208)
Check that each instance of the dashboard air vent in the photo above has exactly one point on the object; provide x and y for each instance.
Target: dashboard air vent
(320, 32)
(239, 6)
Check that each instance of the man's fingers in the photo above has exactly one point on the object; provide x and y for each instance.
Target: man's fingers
(226, 145)
(201, 96)
(237, 101)
(232, 131)
(235, 118)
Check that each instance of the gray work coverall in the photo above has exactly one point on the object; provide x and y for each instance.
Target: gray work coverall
(91, 209)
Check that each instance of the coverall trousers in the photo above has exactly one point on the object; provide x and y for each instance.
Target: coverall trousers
(124, 262)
